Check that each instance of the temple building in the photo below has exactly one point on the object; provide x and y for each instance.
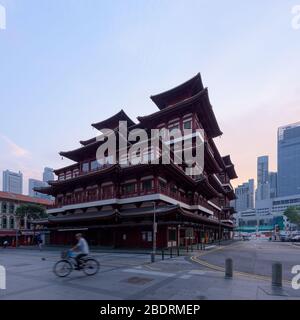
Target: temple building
(115, 204)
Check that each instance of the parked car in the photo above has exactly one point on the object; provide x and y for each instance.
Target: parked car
(295, 238)
(285, 237)
(246, 238)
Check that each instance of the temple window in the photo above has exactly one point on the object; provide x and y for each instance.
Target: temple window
(69, 175)
(106, 161)
(147, 185)
(160, 126)
(75, 173)
(187, 124)
(95, 165)
(92, 194)
(109, 160)
(59, 200)
(182, 193)
(78, 196)
(61, 176)
(69, 199)
(128, 188)
(147, 236)
(85, 167)
(107, 191)
(173, 127)
(162, 184)
(173, 189)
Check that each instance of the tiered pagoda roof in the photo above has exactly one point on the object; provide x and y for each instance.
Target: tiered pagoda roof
(182, 92)
(230, 167)
(113, 122)
(189, 96)
(80, 154)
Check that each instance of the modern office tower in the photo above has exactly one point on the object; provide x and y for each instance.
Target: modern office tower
(245, 196)
(12, 182)
(33, 183)
(273, 184)
(48, 174)
(289, 160)
(263, 186)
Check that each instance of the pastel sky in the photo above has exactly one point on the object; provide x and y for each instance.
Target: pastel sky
(65, 64)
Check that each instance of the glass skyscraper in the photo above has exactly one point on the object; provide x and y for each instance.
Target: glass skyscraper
(289, 160)
(263, 187)
(12, 182)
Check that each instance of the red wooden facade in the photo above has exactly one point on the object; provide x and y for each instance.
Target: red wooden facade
(113, 204)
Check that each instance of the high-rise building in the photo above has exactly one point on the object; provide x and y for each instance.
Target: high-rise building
(33, 183)
(263, 186)
(289, 160)
(48, 175)
(273, 184)
(244, 196)
(12, 182)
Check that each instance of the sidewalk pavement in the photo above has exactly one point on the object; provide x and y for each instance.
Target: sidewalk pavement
(184, 251)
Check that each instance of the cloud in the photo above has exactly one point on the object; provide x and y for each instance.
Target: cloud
(15, 149)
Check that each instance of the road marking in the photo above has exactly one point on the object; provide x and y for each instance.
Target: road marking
(198, 272)
(152, 273)
(238, 273)
(185, 277)
(151, 268)
(210, 247)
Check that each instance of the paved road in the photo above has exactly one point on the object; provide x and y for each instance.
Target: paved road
(257, 256)
(131, 276)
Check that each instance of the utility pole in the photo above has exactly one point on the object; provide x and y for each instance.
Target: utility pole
(154, 232)
(220, 229)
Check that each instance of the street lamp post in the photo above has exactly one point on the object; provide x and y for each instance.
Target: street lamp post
(219, 230)
(154, 232)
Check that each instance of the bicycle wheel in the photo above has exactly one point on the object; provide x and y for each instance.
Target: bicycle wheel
(62, 268)
(91, 267)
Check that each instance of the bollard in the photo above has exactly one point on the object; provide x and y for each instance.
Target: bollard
(171, 252)
(152, 257)
(187, 248)
(162, 254)
(192, 248)
(228, 268)
(178, 252)
(277, 274)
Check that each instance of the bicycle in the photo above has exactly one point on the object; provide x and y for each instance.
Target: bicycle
(64, 267)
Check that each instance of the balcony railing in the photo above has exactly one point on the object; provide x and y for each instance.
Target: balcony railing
(85, 198)
(80, 173)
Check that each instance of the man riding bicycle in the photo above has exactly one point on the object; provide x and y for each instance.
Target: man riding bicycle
(82, 248)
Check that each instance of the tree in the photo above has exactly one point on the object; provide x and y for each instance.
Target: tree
(31, 212)
(293, 215)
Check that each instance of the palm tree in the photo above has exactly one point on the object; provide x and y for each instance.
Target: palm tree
(29, 211)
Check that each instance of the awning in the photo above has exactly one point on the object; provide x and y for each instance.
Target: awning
(8, 233)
